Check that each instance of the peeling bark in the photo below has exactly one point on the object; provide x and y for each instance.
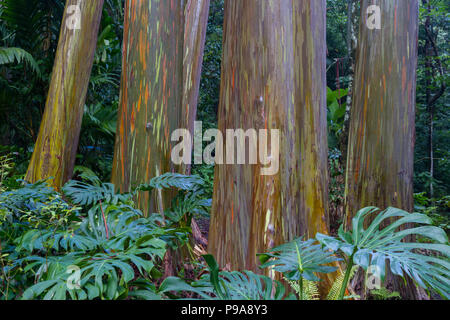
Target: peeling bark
(56, 146)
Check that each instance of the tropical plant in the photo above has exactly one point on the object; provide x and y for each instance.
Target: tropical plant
(12, 55)
(311, 288)
(300, 260)
(103, 274)
(335, 115)
(335, 290)
(28, 30)
(241, 285)
(83, 193)
(385, 294)
(111, 248)
(6, 165)
(436, 209)
(87, 194)
(378, 244)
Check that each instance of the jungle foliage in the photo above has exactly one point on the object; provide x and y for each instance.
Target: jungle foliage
(88, 231)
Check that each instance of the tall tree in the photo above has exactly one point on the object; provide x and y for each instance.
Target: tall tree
(55, 149)
(162, 54)
(352, 41)
(273, 77)
(432, 55)
(382, 125)
(196, 21)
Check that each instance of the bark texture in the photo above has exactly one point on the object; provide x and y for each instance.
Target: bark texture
(273, 77)
(196, 21)
(196, 14)
(56, 147)
(160, 55)
(382, 126)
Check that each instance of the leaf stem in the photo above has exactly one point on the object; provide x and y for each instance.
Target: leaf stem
(347, 275)
(301, 288)
(104, 220)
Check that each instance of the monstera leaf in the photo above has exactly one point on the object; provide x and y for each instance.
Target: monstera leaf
(242, 285)
(300, 260)
(377, 244)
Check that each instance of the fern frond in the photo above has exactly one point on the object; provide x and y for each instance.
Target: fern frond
(85, 194)
(310, 289)
(242, 285)
(87, 175)
(173, 180)
(111, 78)
(32, 21)
(337, 285)
(385, 294)
(11, 55)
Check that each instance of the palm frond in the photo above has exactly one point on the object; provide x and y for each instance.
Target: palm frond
(100, 118)
(85, 194)
(111, 78)
(12, 55)
(87, 175)
(173, 180)
(33, 21)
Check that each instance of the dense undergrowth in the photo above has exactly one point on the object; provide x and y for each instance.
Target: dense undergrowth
(88, 242)
(50, 240)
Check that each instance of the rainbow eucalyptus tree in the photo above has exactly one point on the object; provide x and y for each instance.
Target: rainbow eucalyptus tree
(382, 126)
(273, 78)
(162, 55)
(196, 21)
(55, 149)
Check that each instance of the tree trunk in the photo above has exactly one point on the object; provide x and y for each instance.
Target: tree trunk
(196, 14)
(196, 22)
(352, 41)
(159, 90)
(382, 126)
(428, 78)
(431, 52)
(56, 147)
(273, 77)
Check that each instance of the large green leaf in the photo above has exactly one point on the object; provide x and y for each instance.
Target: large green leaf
(378, 244)
(86, 194)
(300, 259)
(241, 285)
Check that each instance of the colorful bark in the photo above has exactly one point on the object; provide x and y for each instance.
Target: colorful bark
(382, 126)
(196, 21)
(55, 149)
(273, 77)
(154, 101)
